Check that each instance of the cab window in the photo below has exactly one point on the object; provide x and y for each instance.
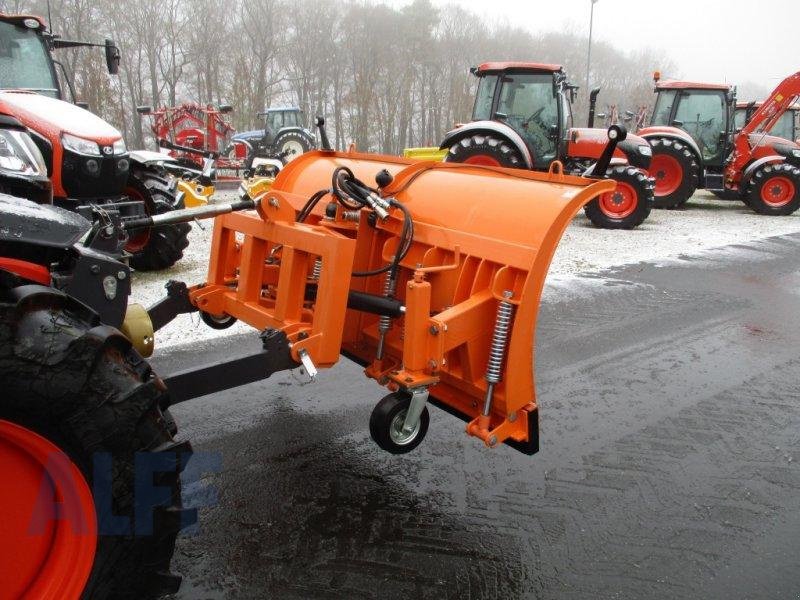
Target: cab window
(702, 115)
(663, 107)
(531, 109)
(482, 110)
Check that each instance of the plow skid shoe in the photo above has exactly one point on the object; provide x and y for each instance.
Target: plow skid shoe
(470, 282)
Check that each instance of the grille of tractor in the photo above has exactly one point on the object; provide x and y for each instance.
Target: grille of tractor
(86, 177)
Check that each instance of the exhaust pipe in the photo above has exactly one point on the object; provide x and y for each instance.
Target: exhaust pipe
(592, 103)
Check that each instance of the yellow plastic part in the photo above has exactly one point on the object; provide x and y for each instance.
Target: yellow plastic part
(430, 153)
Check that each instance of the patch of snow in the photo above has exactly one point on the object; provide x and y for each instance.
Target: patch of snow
(705, 223)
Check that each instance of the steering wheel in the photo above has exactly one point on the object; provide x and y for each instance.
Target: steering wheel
(535, 115)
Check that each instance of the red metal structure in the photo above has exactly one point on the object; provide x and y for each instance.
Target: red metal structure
(191, 130)
(696, 145)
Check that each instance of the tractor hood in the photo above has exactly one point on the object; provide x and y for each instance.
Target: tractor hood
(586, 142)
(50, 117)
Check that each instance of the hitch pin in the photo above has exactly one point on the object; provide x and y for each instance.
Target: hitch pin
(308, 365)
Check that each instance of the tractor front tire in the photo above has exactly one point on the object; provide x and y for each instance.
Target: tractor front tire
(676, 172)
(158, 247)
(293, 142)
(628, 205)
(486, 150)
(775, 190)
(80, 385)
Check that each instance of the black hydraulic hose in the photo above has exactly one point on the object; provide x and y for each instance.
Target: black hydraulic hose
(184, 215)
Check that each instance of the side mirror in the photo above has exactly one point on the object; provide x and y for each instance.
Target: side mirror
(630, 113)
(501, 116)
(112, 57)
(83, 105)
(677, 123)
(553, 131)
(225, 109)
(144, 110)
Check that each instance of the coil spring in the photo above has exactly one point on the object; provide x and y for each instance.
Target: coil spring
(317, 271)
(351, 215)
(385, 323)
(502, 323)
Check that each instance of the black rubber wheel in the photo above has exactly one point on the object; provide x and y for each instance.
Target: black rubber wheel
(675, 170)
(775, 190)
(293, 142)
(81, 385)
(159, 247)
(216, 321)
(628, 205)
(487, 150)
(386, 423)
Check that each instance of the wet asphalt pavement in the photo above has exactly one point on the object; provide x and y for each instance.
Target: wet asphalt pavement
(670, 466)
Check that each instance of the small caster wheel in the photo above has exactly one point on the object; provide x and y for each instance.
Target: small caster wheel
(386, 424)
(217, 321)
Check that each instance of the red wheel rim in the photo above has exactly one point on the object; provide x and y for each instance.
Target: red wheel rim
(138, 239)
(48, 527)
(620, 203)
(483, 159)
(777, 191)
(667, 172)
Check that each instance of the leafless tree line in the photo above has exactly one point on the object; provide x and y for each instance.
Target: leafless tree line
(385, 78)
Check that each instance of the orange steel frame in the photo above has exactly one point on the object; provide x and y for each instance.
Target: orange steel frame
(479, 232)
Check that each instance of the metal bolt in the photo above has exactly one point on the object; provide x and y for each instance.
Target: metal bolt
(512, 417)
(109, 230)
(94, 269)
(432, 364)
(493, 440)
(508, 294)
(434, 330)
(121, 275)
(274, 203)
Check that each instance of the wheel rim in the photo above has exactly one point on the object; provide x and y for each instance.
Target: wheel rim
(49, 527)
(620, 203)
(137, 240)
(777, 191)
(396, 433)
(668, 174)
(293, 147)
(484, 160)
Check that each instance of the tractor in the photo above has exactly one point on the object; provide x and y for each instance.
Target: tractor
(696, 144)
(785, 127)
(86, 158)
(283, 135)
(399, 265)
(522, 118)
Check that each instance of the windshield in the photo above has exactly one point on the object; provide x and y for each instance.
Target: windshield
(702, 114)
(663, 107)
(531, 109)
(784, 128)
(483, 99)
(25, 61)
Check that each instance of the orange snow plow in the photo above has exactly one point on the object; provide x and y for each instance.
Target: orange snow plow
(431, 281)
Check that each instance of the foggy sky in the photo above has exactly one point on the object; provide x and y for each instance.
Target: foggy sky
(726, 41)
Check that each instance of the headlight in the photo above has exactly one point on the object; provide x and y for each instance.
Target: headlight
(18, 153)
(796, 153)
(80, 145)
(645, 151)
(119, 147)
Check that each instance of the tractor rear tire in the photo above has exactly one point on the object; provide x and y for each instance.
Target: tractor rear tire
(294, 142)
(487, 150)
(676, 172)
(159, 247)
(628, 205)
(775, 190)
(79, 384)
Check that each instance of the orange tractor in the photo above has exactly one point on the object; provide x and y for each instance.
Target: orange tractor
(399, 265)
(522, 118)
(696, 145)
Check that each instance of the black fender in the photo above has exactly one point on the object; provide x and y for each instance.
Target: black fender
(486, 127)
(301, 130)
(750, 169)
(630, 148)
(26, 222)
(684, 139)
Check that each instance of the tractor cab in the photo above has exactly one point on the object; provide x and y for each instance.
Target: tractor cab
(785, 127)
(26, 61)
(703, 110)
(530, 98)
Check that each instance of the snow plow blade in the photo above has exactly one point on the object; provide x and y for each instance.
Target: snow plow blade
(456, 325)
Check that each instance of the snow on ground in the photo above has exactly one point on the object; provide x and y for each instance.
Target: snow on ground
(706, 222)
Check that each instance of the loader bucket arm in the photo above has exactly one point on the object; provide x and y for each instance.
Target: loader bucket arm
(483, 241)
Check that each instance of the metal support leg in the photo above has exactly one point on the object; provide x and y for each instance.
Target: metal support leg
(419, 397)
